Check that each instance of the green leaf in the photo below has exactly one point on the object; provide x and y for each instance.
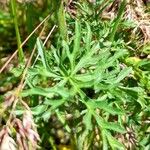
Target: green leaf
(85, 77)
(55, 55)
(113, 142)
(89, 37)
(40, 51)
(104, 138)
(54, 103)
(77, 39)
(132, 89)
(47, 92)
(108, 125)
(38, 91)
(46, 115)
(87, 120)
(47, 73)
(38, 109)
(93, 104)
(113, 126)
(63, 121)
(82, 140)
(117, 55)
(124, 73)
(106, 107)
(86, 61)
(19, 112)
(66, 49)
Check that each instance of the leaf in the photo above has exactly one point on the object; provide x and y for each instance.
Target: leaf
(113, 126)
(54, 103)
(113, 142)
(93, 104)
(86, 61)
(117, 55)
(82, 139)
(133, 89)
(38, 109)
(40, 51)
(40, 70)
(104, 138)
(38, 91)
(132, 61)
(89, 37)
(55, 55)
(108, 125)
(85, 77)
(77, 39)
(47, 73)
(46, 115)
(87, 120)
(47, 92)
(19, 112)
(106, 61)
(124, 73)
(62, 119)
(112, 110)
(66, 49)
(17, 71)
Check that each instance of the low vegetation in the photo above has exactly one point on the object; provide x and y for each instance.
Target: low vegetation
(80, 76)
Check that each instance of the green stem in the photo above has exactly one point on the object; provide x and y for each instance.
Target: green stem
(14, 14)
(118, 20)
(30, 20)
(61, 20)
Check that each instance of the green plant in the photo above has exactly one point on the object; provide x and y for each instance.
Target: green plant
(87, 88)
(14, 14)
(86, 76)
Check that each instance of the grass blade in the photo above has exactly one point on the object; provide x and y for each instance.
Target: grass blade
(40, 51)
(14, 14)
(117, 20)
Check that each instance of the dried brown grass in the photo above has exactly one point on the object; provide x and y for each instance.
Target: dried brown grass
(135, 12)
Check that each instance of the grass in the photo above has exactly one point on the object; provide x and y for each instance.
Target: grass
(14, 14)
(83, 86)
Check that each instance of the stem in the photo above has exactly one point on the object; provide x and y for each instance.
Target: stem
(61, 20)
(117, 20)
(30, 21)
(14, 14)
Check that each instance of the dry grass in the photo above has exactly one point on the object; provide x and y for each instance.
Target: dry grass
(136, 12)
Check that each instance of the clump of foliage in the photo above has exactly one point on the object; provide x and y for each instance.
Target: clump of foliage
(85, 89)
